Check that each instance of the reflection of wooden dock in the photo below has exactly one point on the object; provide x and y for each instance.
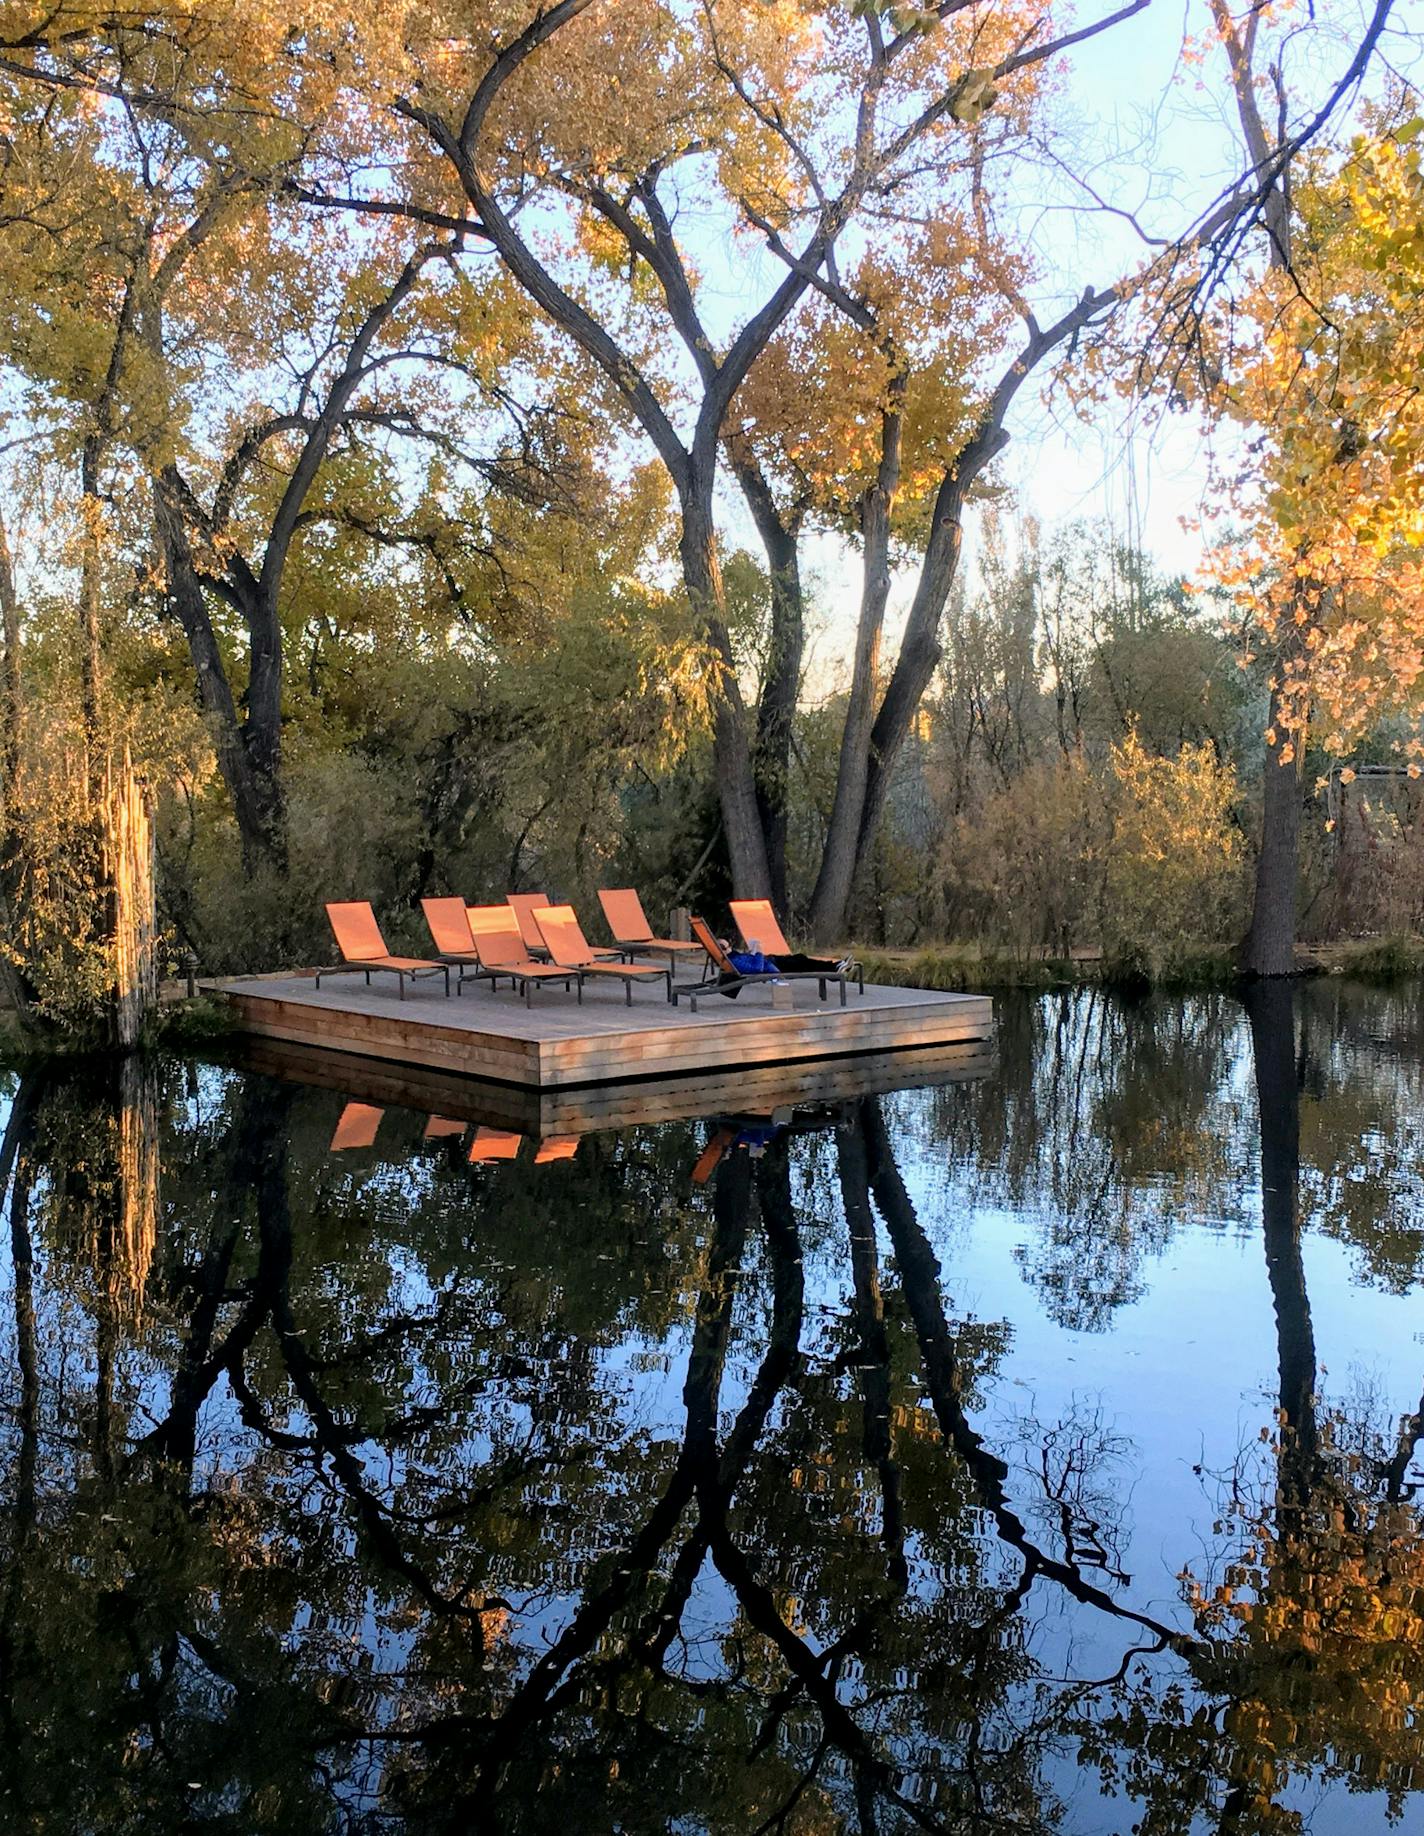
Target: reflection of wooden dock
(540, 1114)
(557, 1044)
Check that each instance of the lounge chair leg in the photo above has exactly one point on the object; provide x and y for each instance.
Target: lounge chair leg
(447, 984)
(627, 992)
(843, 991)
(821, 987)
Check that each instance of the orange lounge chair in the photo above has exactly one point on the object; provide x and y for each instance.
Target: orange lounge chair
(502, 952)
(359, 939)
(448, 922)
(494, 1144)
(524, 906)
(725, 979)
(557, 1147)
(527, 908)
(629, 928)
(356, 1127)
(569, 948)
(756, 921)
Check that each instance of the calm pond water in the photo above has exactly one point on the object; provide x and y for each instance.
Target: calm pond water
(1035, 1452)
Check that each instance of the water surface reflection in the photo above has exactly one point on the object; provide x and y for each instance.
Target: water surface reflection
(1038, 1452)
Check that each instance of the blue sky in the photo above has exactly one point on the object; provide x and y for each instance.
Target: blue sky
(1159, 140)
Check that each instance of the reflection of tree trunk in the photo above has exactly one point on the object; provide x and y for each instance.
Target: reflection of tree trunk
(14, 1164)
(262, 1122)
(1411, 1432)
(920, 1284)
(549, 1680)
(717, 1479)
(874, 1349)
(1270, 1008)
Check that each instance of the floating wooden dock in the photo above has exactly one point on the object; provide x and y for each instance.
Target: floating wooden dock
(556, 1044)
(766, 1091)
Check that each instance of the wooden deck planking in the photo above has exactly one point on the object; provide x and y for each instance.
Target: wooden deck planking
(557, 1043)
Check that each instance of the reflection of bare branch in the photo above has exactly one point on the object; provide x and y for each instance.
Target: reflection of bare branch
(920, 1281)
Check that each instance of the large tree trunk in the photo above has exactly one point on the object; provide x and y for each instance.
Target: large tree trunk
(732, 755)
(776, 712)
(1269, 948)
(132, 922)
(12, 692)
(263, 729)
(256, 796)
(854, 837)
(838, 859)
(90, 586)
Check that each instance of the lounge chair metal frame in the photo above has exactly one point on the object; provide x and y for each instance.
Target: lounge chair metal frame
(378, 960)
(726, 979)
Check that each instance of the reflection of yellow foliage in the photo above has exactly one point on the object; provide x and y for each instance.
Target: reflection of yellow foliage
(1324, 1609)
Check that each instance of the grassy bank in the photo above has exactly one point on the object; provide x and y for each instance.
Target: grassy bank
(182, 1026)
(981, 969)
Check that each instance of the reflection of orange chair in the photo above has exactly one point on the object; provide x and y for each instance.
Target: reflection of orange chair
(356, 1127)
(502, 951)
(494, 1144)
(569, 948)
(557, 1147)
(629, 928)
(439, 1128)
(708, 1159)
(359, 939)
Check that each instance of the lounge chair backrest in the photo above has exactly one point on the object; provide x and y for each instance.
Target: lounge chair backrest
(449, 926)
(358, 936)
(556, 1147)
(494, 1144)
(496, 936)
(563, 936)
(756, 921)
(356, 1127)
(627, 921)
(720, 958)
(524, 906)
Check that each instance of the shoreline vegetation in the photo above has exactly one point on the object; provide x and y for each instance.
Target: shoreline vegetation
(192, 1022)
(987, 969)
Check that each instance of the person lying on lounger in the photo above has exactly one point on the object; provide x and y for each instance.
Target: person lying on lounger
(753, 961)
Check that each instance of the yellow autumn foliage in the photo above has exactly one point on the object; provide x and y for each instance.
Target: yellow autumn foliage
(1321, 375)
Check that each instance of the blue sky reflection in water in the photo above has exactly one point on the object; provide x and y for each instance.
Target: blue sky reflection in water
(982, 1457)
